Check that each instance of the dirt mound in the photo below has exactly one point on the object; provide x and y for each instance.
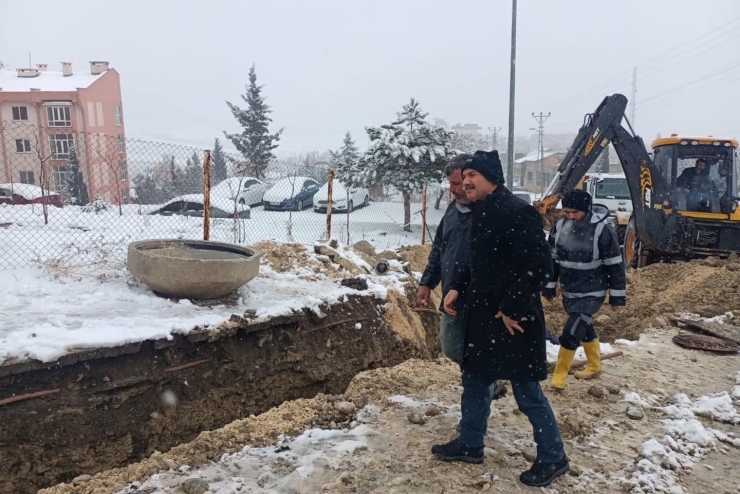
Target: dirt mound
(416, 256)
(284, 258)
(705, 287)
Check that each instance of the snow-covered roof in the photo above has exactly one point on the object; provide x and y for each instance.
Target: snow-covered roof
(45, 81)
(27, 191)
(535, 156)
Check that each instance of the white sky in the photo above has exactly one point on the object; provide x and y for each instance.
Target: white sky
(332, 66)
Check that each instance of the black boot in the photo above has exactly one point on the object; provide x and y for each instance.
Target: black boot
(457, 451)
(542, 474)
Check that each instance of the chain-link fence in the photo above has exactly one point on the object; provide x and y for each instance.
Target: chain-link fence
(64, 191)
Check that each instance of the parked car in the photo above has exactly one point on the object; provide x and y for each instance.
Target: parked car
(524, 194)
(20, 194)
(294, 193)
(341, 200)
(245, 190)
(192, 205)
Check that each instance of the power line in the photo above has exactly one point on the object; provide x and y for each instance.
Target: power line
(686, 85)
(494, 132)
(540, 132)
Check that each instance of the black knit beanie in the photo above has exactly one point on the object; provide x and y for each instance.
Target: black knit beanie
(577, 199)
(488, 164)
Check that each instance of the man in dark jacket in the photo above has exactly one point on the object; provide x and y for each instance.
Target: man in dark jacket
(588, 261)
(510, 263)
(698, 186)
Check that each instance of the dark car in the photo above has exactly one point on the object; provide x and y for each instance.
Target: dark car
(294, 193)
(192, 205)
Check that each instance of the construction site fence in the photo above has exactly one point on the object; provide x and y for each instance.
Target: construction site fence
(66, 193)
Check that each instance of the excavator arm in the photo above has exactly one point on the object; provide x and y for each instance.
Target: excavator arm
(648, 188)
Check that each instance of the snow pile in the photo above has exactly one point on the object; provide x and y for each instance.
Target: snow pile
(447, 410)
(50, 312)
(553, 350)
(685, 442)
(274, 469)
(736, 390)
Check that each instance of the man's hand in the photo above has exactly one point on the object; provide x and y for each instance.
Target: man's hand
(510, 324)
(449, 303)
(422, 296)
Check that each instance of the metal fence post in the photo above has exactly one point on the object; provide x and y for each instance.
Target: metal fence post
(207, 195)
(329, 194)
(424, 215)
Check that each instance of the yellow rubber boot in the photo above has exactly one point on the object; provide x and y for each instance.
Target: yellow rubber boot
(593, 367)
(565, 358)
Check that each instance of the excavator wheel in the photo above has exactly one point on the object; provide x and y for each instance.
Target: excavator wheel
(631, 247)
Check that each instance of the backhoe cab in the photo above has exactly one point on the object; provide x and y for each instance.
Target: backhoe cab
(684, 197)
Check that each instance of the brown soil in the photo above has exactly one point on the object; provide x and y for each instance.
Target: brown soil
(111, 408)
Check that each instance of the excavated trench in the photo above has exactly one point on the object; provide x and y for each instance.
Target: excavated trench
(96, 410)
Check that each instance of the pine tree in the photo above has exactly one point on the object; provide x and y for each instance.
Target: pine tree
(255, 141)
(75, 190)
(147, 189)
(406, 154)
(192, 179)
(346, 163)
(218, 163)
(174, 185)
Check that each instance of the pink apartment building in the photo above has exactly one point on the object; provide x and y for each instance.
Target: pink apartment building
(44, 114)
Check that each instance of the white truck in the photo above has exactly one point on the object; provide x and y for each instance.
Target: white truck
(611, 190)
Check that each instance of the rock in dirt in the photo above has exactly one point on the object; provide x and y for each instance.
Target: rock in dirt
(358, 284)
(575, 470)
(80, 479)
(365, 247)
(345, 407)
(659, 322)
(604, 319)
(432, 411)
(530, 454)
(635, 412)
(416, 418)
(597, 391)
(614, 390)
(194, 486)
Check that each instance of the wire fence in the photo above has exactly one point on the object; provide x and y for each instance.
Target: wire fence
(64, 192)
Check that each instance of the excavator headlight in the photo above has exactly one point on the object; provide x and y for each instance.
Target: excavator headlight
(683, 143)
(727, 144)
(716, 143)
(694, 143)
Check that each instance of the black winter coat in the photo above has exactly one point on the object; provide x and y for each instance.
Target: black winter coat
(450, 252)
(510, 263)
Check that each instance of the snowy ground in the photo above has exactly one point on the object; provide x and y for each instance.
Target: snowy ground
(24, 237)
(62, 308)
(685, 440)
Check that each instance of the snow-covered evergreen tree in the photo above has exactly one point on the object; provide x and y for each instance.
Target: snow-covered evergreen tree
(75, 190)
(406, 154)
(218, 163)
(346, 163)
(254, 141)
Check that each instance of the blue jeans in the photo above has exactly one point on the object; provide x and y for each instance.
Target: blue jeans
(452, 340)
(531, 402)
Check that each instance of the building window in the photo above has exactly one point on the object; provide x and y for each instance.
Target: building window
(60, 145)
(27, 178)
(59, 116)
(119, 117)
(529, 176)
(123, 171)
(121, 144)
(20, 113)
(124, 195)
(59, 174)
(22, 145)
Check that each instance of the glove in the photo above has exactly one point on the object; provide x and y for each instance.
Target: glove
(549, 293)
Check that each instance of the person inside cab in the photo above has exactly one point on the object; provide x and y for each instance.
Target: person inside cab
(696, 183)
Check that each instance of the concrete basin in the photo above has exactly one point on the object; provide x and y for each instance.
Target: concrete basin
(192, 269)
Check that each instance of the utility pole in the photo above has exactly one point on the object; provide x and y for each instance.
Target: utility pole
(634, 97)
(540, 131)
(512, 78)
(494, 131)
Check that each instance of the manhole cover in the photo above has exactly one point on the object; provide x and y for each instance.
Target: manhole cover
(709, 343)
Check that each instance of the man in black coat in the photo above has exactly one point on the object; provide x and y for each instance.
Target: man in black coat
(449, 256)
(510, 263)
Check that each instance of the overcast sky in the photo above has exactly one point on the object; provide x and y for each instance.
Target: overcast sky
(332, 66)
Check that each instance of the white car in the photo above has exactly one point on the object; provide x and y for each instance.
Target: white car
(524, 194)
(247, 191)
(343, 198)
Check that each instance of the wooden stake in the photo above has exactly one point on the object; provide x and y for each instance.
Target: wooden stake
(207, 195)
(28, 396)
